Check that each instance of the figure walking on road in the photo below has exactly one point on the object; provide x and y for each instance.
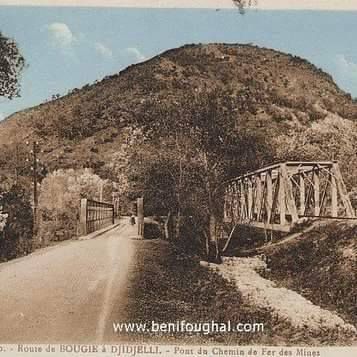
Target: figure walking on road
(132, 219)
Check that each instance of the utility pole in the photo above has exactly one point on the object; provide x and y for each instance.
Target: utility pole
(34, 153)
(17, 164)
(35, 193)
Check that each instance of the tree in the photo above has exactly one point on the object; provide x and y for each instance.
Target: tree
(16, 223)
(198, 144)
(165, 178)
(59, 199)
(223, 150)
(11, 65)
(243, 4)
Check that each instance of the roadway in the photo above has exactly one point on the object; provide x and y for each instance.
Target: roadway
(71, 292)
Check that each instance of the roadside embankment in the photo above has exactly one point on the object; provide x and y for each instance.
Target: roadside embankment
(288, 305)
(168, 286)
(321, 265)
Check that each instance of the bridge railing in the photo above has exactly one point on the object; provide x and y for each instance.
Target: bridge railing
(95, 215)
(278, 196)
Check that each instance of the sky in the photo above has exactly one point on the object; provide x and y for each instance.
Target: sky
(67, 47)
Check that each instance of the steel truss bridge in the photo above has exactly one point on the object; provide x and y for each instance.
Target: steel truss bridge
(279, 196)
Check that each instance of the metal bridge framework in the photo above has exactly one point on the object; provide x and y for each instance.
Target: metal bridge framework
(277, 197)
(95, 215)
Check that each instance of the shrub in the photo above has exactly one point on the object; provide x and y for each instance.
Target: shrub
(59, 201)
(16, 223)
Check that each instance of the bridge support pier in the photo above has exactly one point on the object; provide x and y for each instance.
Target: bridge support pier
(140, 210)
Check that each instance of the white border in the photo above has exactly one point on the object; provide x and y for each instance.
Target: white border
(262, 4)
(152, 350)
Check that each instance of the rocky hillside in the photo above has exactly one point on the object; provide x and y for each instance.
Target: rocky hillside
(296, 105)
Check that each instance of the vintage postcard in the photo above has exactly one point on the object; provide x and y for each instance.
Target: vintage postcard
(178, 178)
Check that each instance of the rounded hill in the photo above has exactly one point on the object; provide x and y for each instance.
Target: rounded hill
(289, 100)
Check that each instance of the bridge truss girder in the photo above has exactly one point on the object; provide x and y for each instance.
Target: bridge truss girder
(277, 197)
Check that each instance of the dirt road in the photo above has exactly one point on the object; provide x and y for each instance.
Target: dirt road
(66, 293)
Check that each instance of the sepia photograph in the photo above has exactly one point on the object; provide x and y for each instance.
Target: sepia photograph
(178, 178)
